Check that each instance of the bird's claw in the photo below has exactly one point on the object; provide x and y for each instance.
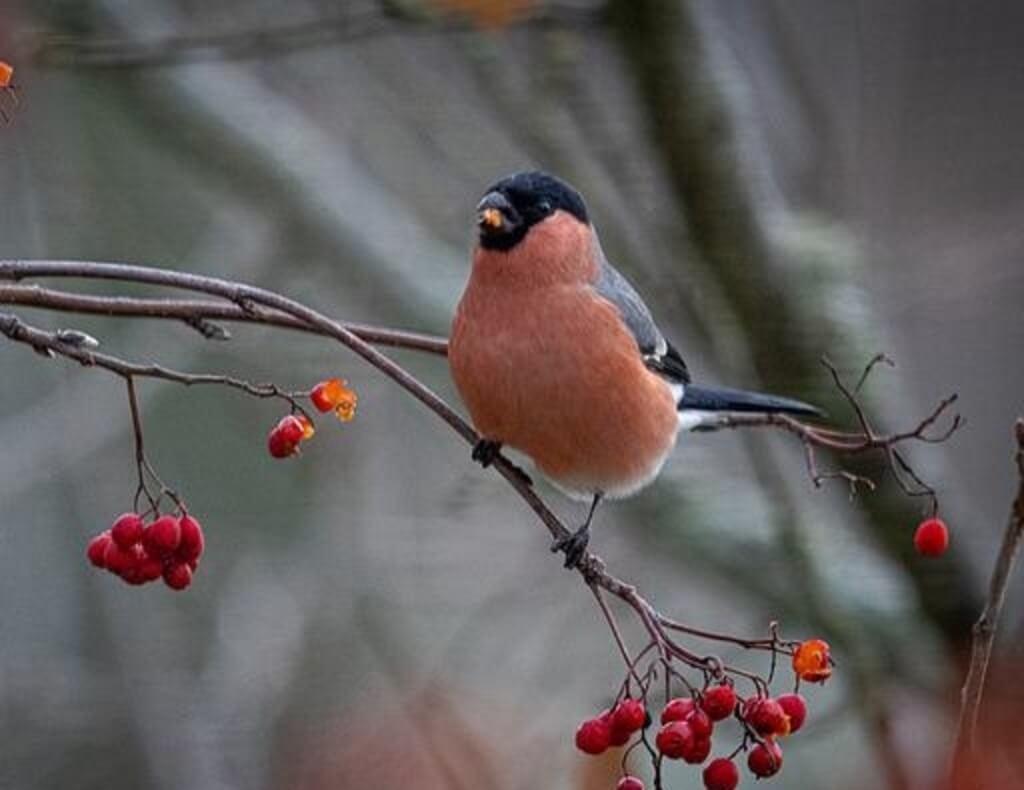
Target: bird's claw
(485, 451)
(574, 546)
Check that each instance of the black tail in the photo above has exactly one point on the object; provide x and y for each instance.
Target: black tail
(725, 399)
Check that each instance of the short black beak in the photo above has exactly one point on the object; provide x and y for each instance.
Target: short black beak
(494, 213)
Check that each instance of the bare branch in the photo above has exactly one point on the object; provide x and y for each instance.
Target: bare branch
(196, 310)
(984, 632)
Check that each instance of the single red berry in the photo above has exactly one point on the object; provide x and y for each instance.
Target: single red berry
(629, 783)
(192, 542)
(150, 570)
(162, 537)
(700, 723)
(674, 739)
(677, 709)
(323, 396)
(278, 447)
(127, 530)
(765, 759)
(629, 715)
(719, 702)
(795, 707)
(98, 548)
(291, 429)
(698, 750)
(766, 716)
(721, 774)
(931, 538)
(177, 577)
(812, 661)
(593, 736)
(617, 736)
(118, 560)
(132, 561)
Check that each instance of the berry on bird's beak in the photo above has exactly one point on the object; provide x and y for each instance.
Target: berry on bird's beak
(489, 219)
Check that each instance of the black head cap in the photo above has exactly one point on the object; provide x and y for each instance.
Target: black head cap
(518, 202)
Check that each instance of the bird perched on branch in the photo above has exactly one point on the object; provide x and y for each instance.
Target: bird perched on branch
(556, 355)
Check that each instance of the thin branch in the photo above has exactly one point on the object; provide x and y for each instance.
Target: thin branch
(18, 331)
(194, 310)
(984, 632)
(65, 51)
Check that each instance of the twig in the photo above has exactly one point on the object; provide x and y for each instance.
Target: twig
(193, 310)
(38, 339)
(984, 632)
(96, 52)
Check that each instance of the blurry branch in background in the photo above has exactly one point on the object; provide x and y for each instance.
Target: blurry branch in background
(662, 649)
(984, 632)
(62, 50)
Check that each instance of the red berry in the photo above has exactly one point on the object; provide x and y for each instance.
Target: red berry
(118, 560)
(719, 702)
(150, 570)
(795, 706)
(127, 530)
(191, 546)
(674, 739)
(629, 715)
(617, 736)
(698, 751)
(629, 783)
(721, 774)
(765, 759)
(177, 577)
(593, 736)
(323, 396)
(700, 723)
(278, 446)
(162, 537)
(677, 709)
(291, 429)
(931, 538)
(766, 716)
(98, 548)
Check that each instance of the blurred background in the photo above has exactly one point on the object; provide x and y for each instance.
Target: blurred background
(782, 179)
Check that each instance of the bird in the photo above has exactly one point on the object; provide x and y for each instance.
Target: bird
(556, 355)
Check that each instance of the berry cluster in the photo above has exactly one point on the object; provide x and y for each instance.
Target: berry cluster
(688, 724)
(330, 395)
(168, 547)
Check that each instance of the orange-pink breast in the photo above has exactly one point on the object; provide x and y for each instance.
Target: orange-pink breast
(552, 371)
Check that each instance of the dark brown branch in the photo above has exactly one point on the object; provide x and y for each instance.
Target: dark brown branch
(984, 633)
(191, 310)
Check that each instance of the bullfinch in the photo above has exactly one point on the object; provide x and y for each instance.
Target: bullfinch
(556, 355)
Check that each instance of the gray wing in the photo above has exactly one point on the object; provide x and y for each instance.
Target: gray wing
(659, 355)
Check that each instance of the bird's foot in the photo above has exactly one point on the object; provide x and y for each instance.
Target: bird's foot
(574, 546)
(485, 451)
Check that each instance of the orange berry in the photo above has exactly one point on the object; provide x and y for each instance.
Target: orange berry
(325, 394)
(931, 539)
(811, 661)
(6, 74)
(308, 429)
